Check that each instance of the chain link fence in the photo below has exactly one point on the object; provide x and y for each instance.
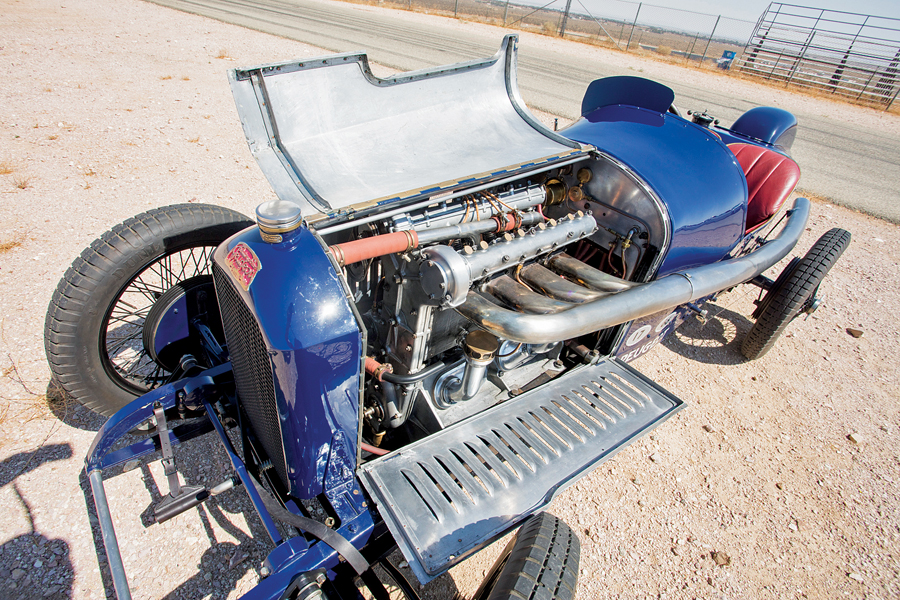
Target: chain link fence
(853, 55)
(621, 24)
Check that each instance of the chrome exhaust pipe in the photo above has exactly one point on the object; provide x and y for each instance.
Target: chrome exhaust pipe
(635, 302)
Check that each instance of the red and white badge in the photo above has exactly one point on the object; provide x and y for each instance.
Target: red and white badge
(244, 264)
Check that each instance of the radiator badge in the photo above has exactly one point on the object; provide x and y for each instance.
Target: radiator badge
(244, 264)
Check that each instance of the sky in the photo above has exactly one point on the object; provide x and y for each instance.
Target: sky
(751, 10)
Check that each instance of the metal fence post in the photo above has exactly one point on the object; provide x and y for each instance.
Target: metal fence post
(505, 12)
(694, 43)
(799, 59)
(633, 25)
(562, 28)
(456, 9)
(709, 41)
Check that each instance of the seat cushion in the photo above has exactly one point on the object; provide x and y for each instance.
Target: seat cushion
(771, 177)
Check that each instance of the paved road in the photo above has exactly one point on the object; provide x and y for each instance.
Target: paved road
(853, 167)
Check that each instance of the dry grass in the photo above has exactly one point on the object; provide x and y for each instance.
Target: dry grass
(90, 172)
(194, 140)
(185, 78)
(664, 50)
(33, 405)
(22, 182)
(166, 77)
(223, 55)
(52, 136)
(6, 167)
(11, 245)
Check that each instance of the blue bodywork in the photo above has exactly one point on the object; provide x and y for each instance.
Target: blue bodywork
(315, 347)
(772, 127)
(687, 166)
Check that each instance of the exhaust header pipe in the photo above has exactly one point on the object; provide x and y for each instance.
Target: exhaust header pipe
(638, 301)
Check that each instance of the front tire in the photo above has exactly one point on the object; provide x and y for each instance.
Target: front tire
(539, 563)
(793, 292)
(93, 333)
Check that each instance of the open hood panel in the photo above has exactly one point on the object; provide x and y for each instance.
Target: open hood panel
(335, 139)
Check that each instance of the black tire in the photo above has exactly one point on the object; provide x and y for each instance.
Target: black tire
(94, 326)
(539, 563)
(793, 292)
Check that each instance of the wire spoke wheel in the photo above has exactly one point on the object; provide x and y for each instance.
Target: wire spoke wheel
(122, 336)
(96, 332)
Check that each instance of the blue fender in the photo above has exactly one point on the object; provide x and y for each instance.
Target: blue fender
(767, 124)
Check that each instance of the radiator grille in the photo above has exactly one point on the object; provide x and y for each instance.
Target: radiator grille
(252, 370)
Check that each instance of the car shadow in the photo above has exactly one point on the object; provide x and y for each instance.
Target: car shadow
(68, 410)
(31, 562)
(717, 341)
(226, 561)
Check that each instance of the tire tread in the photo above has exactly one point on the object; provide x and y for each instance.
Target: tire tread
(791, 297)
(94, 272)
(543, 563)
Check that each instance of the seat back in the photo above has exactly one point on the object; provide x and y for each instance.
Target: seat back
(771, 177)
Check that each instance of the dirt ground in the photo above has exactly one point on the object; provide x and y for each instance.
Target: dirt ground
(756, 491)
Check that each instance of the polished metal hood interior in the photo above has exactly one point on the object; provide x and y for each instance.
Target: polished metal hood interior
(333, 138)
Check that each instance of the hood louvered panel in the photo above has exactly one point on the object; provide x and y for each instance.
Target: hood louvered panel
(448, 495)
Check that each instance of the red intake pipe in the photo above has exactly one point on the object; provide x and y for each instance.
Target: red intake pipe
(371, 247)
(404, 241)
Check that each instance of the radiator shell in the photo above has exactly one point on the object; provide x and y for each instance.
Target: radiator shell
(308, 347)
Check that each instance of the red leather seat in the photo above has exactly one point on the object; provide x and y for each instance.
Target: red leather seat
(771, 177)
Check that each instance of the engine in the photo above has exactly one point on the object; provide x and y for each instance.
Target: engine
(441, 289)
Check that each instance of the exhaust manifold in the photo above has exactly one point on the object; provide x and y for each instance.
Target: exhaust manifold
(447, 275)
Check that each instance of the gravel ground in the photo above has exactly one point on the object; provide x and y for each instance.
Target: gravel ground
(111, 108)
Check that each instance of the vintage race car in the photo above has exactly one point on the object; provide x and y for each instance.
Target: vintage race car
(427, 334)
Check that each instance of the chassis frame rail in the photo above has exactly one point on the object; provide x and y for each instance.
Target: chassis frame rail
(290, 557)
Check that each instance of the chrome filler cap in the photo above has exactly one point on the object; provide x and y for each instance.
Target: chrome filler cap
(277, 217)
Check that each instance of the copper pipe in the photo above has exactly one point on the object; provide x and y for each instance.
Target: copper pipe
(373, 450)
(372, 247)
(404, 241)
(377, 369)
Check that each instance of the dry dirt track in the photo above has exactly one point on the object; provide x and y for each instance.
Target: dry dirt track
(111, 108)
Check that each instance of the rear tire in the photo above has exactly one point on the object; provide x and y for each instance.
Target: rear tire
(93, 329)
(793, 293)
(539, 563)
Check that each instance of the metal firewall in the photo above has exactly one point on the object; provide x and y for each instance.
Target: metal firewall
(687, 166)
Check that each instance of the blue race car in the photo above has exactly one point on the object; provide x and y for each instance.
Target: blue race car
(427, 334)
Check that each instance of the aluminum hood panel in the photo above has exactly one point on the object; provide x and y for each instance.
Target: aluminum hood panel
(332, 137)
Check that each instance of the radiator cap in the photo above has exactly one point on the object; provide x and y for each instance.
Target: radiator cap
(277, 217)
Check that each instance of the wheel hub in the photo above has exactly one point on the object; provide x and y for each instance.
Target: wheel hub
(167, 332)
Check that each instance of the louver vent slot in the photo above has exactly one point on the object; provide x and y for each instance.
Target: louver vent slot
(454, 492)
